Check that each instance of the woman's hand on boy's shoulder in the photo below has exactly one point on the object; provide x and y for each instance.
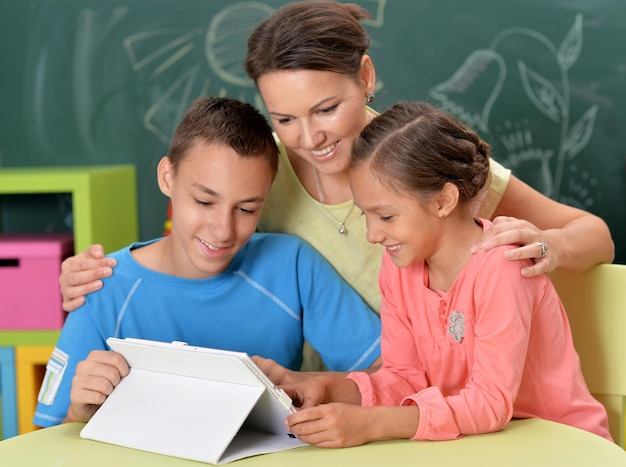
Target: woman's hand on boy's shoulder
(81, 274)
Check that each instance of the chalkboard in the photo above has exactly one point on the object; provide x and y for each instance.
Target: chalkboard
(106, 81)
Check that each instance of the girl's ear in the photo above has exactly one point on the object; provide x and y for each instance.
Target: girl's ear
(165, 175)
(447, 199)
(368, 75)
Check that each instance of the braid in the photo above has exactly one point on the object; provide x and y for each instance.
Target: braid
(417, 147)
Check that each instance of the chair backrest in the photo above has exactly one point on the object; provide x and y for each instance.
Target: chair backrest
(595, 301)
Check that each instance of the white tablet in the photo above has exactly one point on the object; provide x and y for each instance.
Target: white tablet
(192, 402)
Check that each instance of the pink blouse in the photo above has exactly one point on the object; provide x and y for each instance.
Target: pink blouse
(496, 346)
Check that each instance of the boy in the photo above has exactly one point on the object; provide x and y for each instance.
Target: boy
(213, 282)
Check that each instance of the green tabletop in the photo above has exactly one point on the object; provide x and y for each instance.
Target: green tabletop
(526, 443)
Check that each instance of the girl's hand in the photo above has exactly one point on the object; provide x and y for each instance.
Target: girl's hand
(334, 425)
(513, 231)
(82, 274)
(339, 425)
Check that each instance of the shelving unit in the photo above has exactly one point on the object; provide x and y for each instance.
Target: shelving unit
(104, 210)
(104, 199)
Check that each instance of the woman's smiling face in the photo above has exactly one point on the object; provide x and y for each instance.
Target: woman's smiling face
(316, 114)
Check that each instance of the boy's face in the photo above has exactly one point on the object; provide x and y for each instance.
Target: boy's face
(217, 197)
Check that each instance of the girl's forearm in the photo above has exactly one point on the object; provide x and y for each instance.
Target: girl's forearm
(393, 422)
(341, 390)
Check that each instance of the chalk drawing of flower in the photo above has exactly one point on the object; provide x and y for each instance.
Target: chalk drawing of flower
(476, 87)
(202, 59)
(478, 79)
(194, 61)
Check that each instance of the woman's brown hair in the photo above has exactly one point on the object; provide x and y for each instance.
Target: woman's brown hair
(311, 35)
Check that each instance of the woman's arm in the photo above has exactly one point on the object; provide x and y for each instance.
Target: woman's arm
(82, 274)
(575, 239)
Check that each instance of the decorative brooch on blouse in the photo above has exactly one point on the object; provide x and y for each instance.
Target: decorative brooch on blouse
(456, 326)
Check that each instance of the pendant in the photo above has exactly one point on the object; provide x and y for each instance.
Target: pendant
(342, 228)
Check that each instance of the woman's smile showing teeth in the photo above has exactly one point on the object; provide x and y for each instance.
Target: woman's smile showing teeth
(324, 152)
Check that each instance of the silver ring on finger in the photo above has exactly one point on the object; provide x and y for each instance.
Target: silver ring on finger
(544, 249)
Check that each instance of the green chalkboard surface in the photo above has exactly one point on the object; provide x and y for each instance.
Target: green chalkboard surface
(106, 81)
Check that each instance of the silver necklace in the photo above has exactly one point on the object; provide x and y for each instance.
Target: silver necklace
(342, 224)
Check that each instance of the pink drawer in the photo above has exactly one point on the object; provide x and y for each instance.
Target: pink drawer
(30, 265)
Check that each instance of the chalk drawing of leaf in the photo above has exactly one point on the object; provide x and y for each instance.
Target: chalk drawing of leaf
(580, 133)
(541, 93)
(478, 79)
(572, 44)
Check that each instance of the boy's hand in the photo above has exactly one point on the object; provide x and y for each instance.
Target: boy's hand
(95, 378)
(277, 373)
(81, 274)
(308, 392)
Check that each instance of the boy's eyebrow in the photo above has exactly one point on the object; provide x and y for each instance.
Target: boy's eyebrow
(256, 199)
(209, 191)
(206, 189)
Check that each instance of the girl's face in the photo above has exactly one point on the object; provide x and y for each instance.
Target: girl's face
(316, 114)
(406, 226)
(217, 197)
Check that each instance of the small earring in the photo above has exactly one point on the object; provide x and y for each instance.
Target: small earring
(370, 98)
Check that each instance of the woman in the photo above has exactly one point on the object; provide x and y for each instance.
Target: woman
(310, 65)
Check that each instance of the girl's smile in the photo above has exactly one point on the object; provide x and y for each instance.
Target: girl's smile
(393, 249)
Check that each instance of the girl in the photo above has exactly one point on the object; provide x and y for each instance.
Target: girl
(467, 342)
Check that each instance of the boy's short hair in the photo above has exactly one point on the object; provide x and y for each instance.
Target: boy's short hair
(226, 121)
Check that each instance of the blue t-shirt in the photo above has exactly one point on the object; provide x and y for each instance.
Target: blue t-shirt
(277, 292)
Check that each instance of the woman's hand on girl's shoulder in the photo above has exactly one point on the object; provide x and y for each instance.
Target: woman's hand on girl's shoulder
(534, 244)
